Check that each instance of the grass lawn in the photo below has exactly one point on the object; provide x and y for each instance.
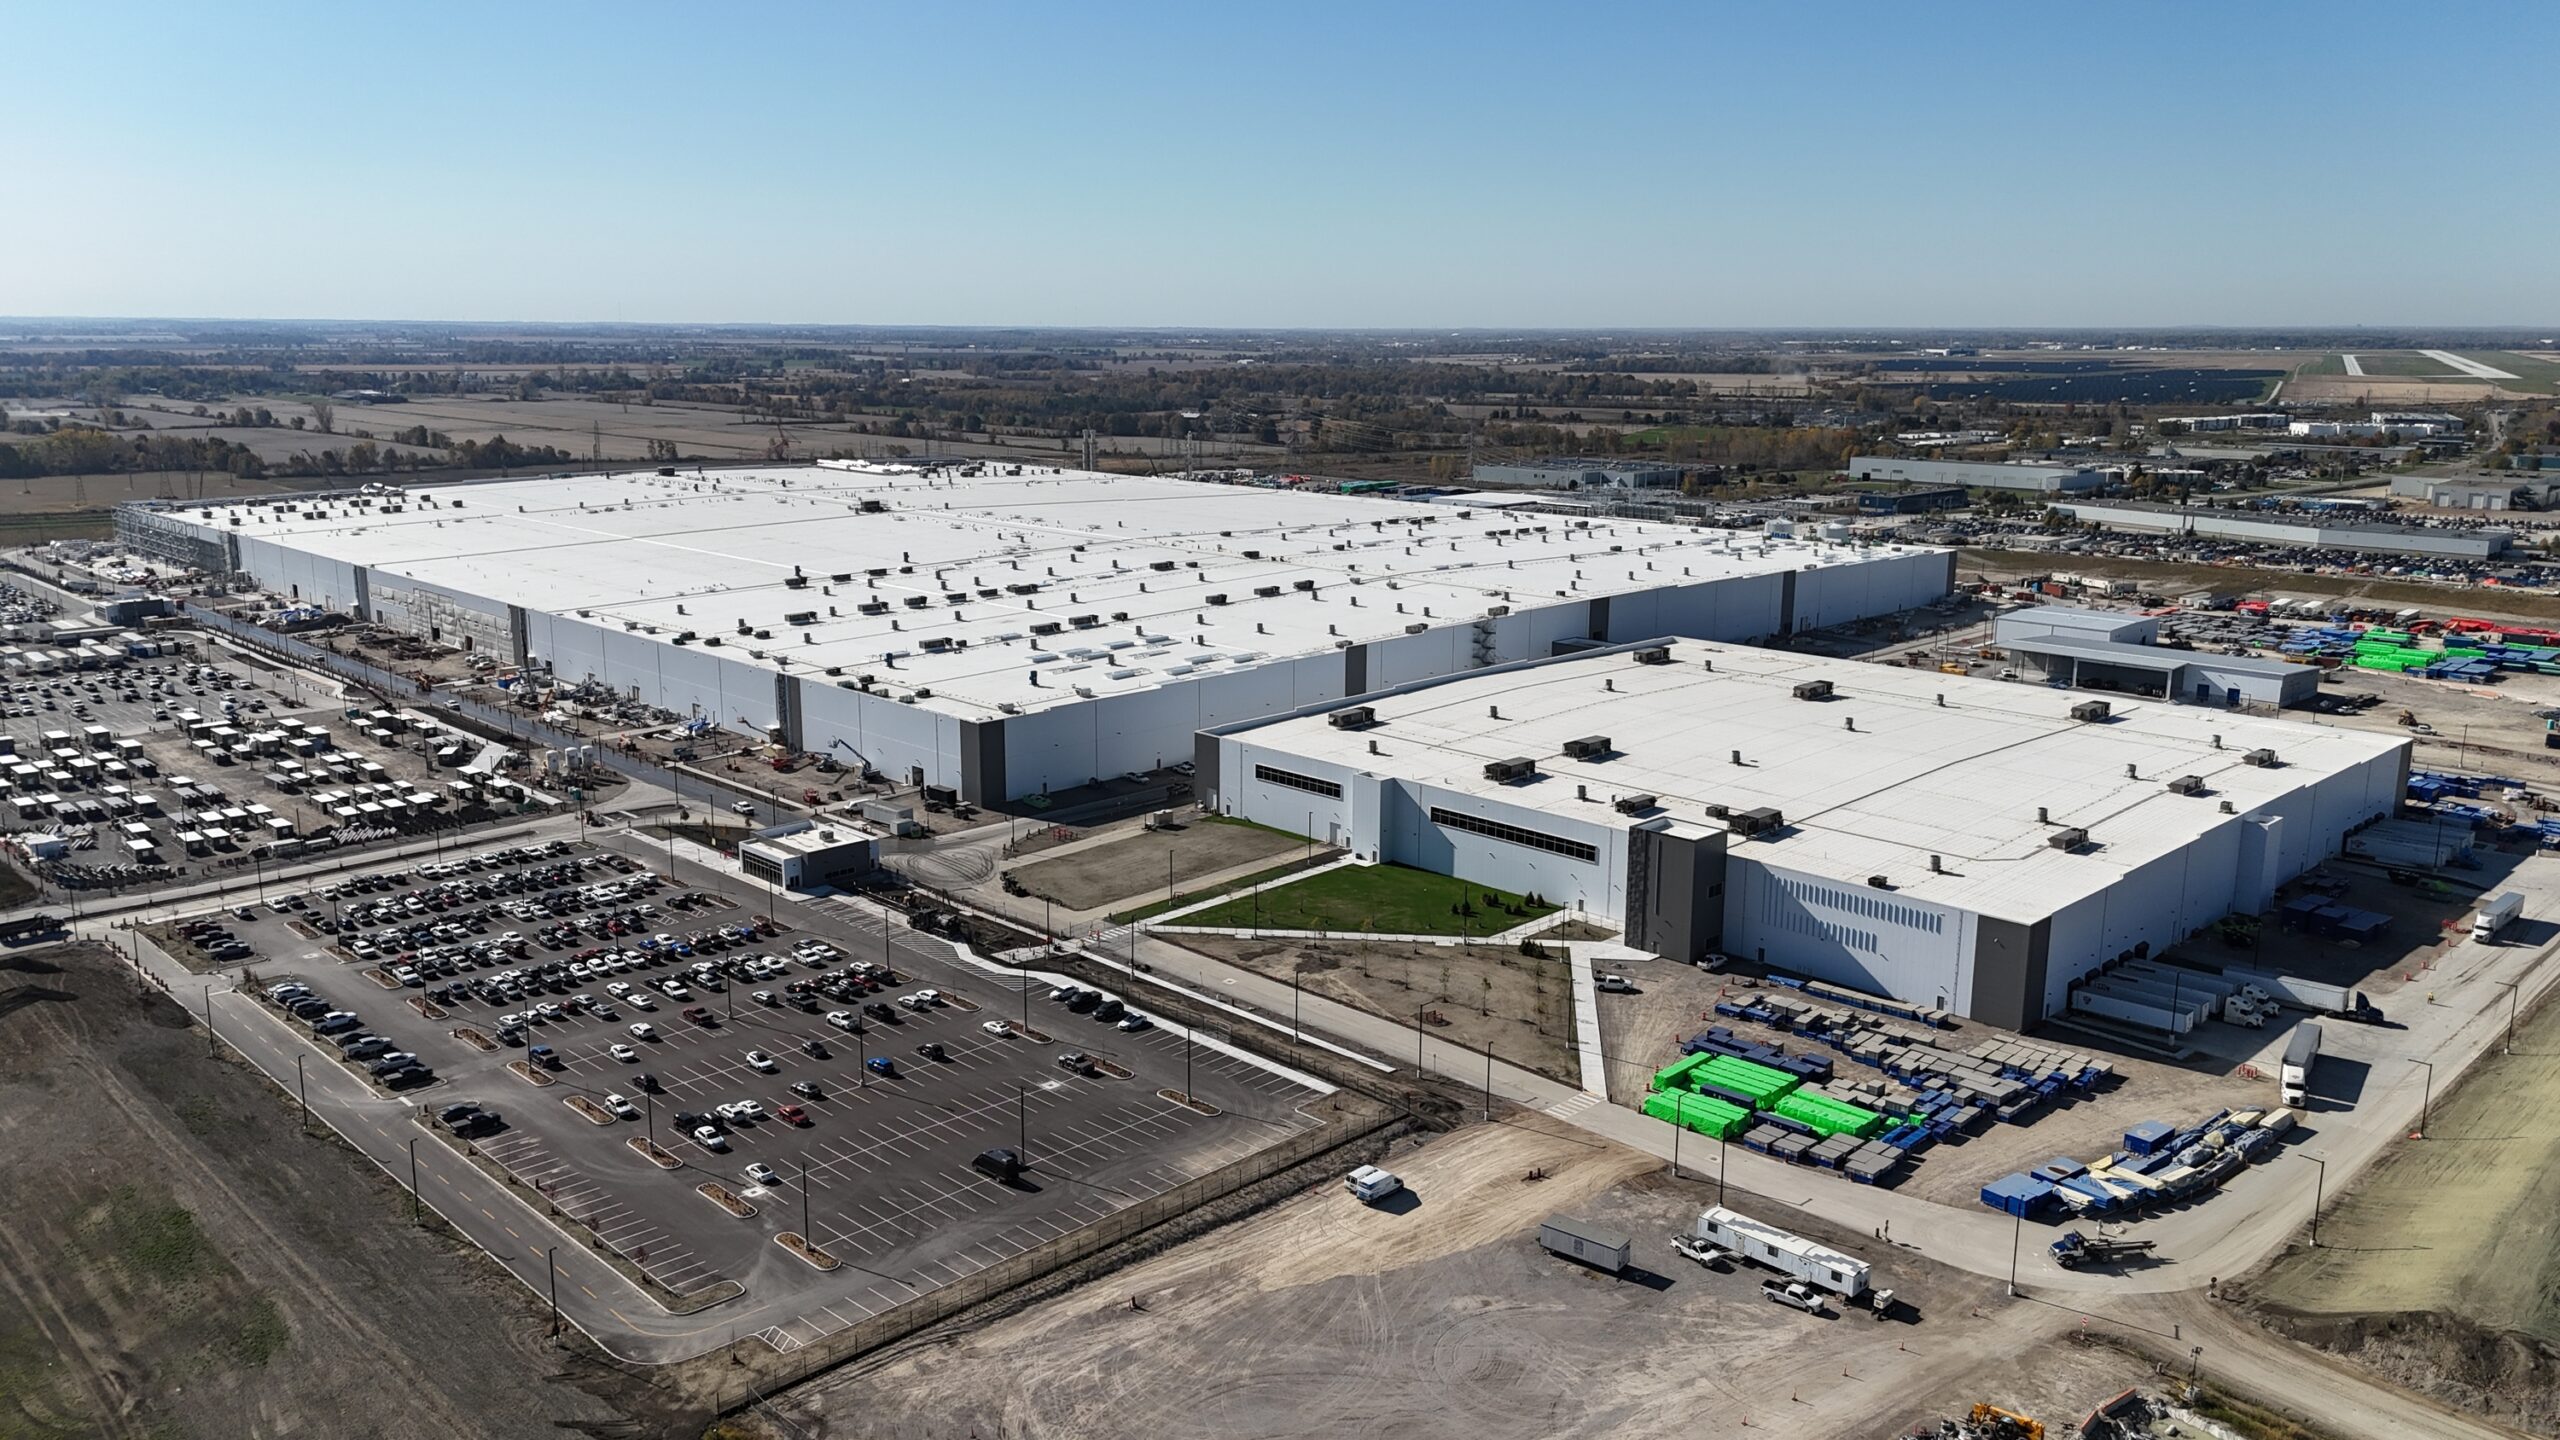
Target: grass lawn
(1379, 899)
(1154, 908)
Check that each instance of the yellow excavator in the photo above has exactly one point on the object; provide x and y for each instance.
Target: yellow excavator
(1993, 1423)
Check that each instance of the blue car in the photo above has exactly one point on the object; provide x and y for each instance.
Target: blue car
(882, 1066)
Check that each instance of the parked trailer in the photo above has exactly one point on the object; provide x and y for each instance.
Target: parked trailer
(28, 928)
(2134, 1012)
(1779, 1250)
(2343, 1001)
(1602, 1250)
(2300, 1053)
(2496, 915)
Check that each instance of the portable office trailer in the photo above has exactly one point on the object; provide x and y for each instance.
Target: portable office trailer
(1784, 1252)
(1604, 1250)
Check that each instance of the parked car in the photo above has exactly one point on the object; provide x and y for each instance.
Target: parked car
(710, 1139)
(759, 1173)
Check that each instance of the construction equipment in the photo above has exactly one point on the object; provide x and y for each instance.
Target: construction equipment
(1989, 1422)
(2075, 1250)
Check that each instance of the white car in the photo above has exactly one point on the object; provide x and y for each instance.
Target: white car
(758, 1060)
(1133, 1022)
(623, 1053)
(929, 997)
(739, 1110)
(709, 1138)
(639, 1000)
(760, 1173)
(995, 1027)
(622, 1107)
(841, 1019)
(767, 997)
(643, 1030)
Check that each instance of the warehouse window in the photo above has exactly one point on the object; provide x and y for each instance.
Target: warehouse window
(1513, 834)
(1296, 781)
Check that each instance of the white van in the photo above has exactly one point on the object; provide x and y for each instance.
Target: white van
(1369, 1184)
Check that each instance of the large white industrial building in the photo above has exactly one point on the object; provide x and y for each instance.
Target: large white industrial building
(1008, 630)
(1962, 843)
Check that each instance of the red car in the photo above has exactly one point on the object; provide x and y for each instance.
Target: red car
(792, 1115)
(701, 1015)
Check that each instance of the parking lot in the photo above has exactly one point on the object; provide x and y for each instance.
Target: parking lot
(878, 1166)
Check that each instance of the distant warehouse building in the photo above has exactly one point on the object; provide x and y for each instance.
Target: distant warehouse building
(1951, 841)
(2084, 662)
(1006, 630)
(1979, 474)
(2037, 622)
(2276, 529)
(1912, 502)
(1569, 472)
(2477, 492)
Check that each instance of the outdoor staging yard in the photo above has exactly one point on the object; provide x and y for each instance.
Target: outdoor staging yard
(1442, 1317)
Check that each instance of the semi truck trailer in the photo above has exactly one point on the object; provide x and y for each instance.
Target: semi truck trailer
(2496, 915)
(2300, 1053)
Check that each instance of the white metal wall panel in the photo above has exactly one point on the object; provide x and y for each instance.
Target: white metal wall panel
(1870, 939)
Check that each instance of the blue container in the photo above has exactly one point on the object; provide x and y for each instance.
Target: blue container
(2148, 1137)
(2019, 1195)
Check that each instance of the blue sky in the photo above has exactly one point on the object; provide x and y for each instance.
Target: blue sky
(1381, 164)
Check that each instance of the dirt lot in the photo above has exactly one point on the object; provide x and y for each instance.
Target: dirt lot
(1489, 994)
(2441, 1271)
(181, 1263)
(1134, 865)
(1444, 1318)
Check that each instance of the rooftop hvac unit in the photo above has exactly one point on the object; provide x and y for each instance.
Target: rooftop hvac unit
(1020, 589)
(2263, 759)
(2187, 785)
(1046, 627)
(873, 507)
(1497, 612)
(1813, 690)
(918, 602)
(842, 578)
(795, 582)
(1416, 628)
(1661, 655)
(1358, 717)
(1518, 767)
(1635, 804)
(801, 617)
(1589, 747)
(2070, 838)
(1253, 554)
(873, 607)
(1759, 821)
(1266, 591)
(1084, 622)
(2091, 711)
(1302, 585)
(1218, 599)
(1718, 812)
(1161, 565)
(934, 643)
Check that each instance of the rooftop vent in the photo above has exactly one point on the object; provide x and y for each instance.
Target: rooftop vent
(2069, 838)
(1813, 690)
(2187, 785)
(1661, 655)
(1358, 717)
(2263, 759)
(1518, 767)
(1589, 747)
(1762, 820)
(2091, 711)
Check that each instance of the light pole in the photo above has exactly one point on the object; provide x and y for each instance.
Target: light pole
(1022, 1120)
(1488, 1103)
(303, 1085)
(1720, 1180)
(2319, 1189)
(417, 1211)
(805, 1236)
(1187, 1034)
(2426, 1095)
(2017, 1226)
(551, 1259)
(212, 1043)
(2508, 1046)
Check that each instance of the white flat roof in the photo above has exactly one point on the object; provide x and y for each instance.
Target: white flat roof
(704, 552)
(1914, 779)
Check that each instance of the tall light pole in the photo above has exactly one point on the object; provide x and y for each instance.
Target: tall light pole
(2319, 1189)
(2426, 1095)
(2017, 1225)
(2508, 1046)
(417, 1211)
(303, 1085)
(551, 1259)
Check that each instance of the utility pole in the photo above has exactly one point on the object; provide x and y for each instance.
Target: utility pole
(2017, 1224)
(302, 1084)
(417, 1211)
(804, 1203)
(2319, 1186)
(551, 1258)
